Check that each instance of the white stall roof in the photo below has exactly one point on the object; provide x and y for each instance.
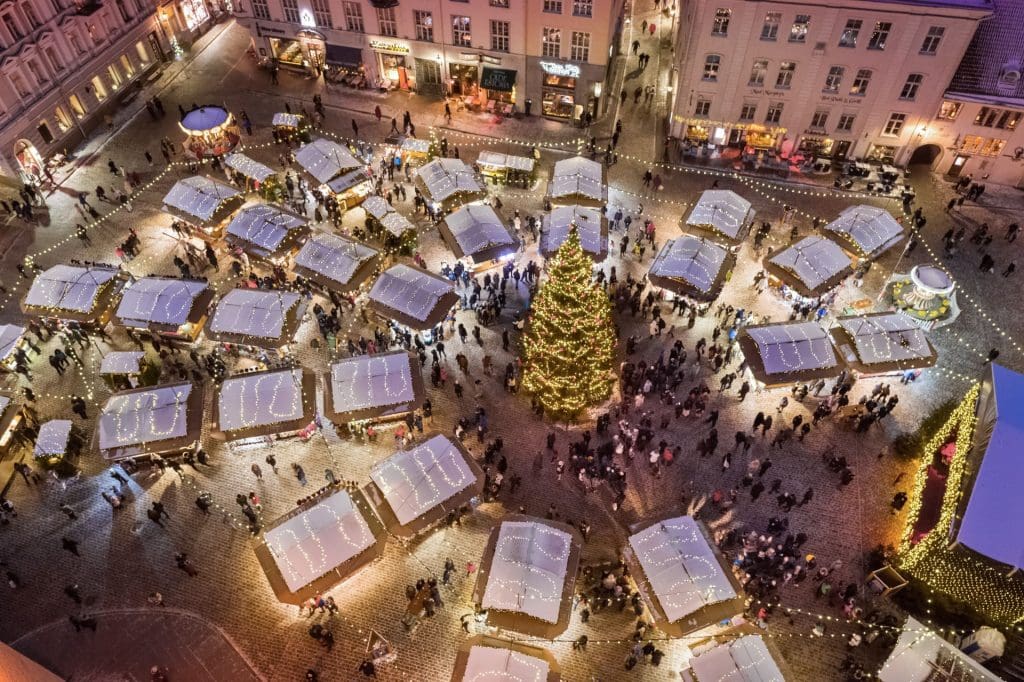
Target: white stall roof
(499, 160)
(319, 539)
(447, 177)
(325, 159)
(264, 226)
(744, 659)
(793, 347)
(4, 402)
(157, 414)
(692, 259)
(493, 664)
(577, 176)
(886, 338)
(559, 222)
(53, 438)
(68, 287)
(10, 334)
(160, 300)
(366, 381)
(253, 312)
(347, 181)
(417, 480)
(813, 260)
(721, 210)
(283, 119)
(528, 570)
(477, 228)
(416, 145)
(248, 167)
(122, 362)
(334, 257)
(377, 206)
(199, 196)
(923, 656)
(871, 228)
(681, 567)
(397, 224)
(409, 291)
(250, 401)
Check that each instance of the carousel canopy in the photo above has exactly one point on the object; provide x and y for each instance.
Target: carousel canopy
(415, 295)
(792, 347)
(248, 167)
(813, 261)
(922, 655)
(10, 335)
(722, 211)
(373, 381)
(696, 262)
(159, 300)
(335, 258)
(326, 160)
(528, 571)
(122, 362)
(417, 480)
(590, 225)
(73, 288)
(53, 437)
(577, 177)
(318, 540)
(288, 120)
(199, 196)
(498, 160)
(265, 227)
(253, 312)
(260, 399)
(491, 664)
(885, 338)
(476, 231)
(681, 567)
(204, 119)
(744, 659)
(137, 417)
(869, 230)
(444, 178)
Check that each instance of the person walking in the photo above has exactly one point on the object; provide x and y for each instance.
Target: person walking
(272, 461)
(256, 471)
(69, 511)
(70, 545)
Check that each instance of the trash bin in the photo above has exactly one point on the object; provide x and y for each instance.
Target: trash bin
(529, 105)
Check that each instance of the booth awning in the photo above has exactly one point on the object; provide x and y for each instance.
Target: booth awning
(498, 79)
(343, 55)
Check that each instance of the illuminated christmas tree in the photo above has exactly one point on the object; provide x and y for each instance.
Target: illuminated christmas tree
(570, 342)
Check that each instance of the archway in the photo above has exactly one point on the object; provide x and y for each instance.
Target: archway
(29, 161)
(925, 155)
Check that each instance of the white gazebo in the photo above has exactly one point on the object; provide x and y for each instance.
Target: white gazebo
(449, 182)
(412, 296)
(152, 420)
(578, 181)
(721, 213)
(167, 305)
(812, 266)
(787, 352)
(203, 202)
(879, 343)
(865, 231)
(591, 226)
(267, 403)
(267, 318)
(691, 266)
(374, 386)
(84, 293)
(325, 160)
(267, 231)
(743, 659)
(336, 262)
(476, 232)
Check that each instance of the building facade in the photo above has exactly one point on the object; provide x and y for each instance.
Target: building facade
(548, 56)
(857, 80)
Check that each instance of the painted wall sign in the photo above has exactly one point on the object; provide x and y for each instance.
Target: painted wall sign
(563, 70)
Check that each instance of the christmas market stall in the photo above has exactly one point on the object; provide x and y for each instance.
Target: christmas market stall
(383, 221)
(506, 169)
(268, 232)
(739, 659)
(153, 420)
(489, 658)
(528, 574)
(381, 386)
(414, 149)
(590, 225)
(124, 369)
(411, 296)
(692, 266)
(12, 338)
(253, 405)
(865, 232)
(253, 176)
(687, 584)
(476, 233)
(174, 308)
(263, 318)
(783, 353)
(447, 184)
(203, 204)
(288, 127)
(210, 131)
(10, 419)
(721, 213)
(923, 655)
(326, 539)
(57, 440)
(83, 293)
(882, 343)
(809, 268)
(578, 181)
(334, 167)
(336, 263)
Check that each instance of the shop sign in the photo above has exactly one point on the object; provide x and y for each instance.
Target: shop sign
(488, 59)
(262, 30)
(388, 46)
(561, 70)
(469, 56)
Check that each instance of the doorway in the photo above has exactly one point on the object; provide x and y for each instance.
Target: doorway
(842, 148)
(925, 155)
(958, 166)
(428, 76)
(29, 160)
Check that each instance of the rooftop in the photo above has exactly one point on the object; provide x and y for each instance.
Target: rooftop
(995, 53)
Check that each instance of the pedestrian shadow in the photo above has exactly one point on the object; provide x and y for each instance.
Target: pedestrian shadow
(635, 73)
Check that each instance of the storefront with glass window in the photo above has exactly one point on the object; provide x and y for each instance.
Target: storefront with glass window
(394, 64)
(881, 153)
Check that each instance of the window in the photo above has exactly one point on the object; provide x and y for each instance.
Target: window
(721, 25)
(64, 121)
(353, 17)
(553, 6)
(34, 22)
(758, 72)
(115, 76)
(55, 62)
(99, 89)
(424, 25)
(126, 64)
(75, 42)
(845, 123)
(460, 32)
(910, 88)
(748, 111)
(1009, 75)
(19, 86)
(785, 77)
(551, 44)
(36, 72)
(123, 11)
(499, 36)
(848, 38)
(834, 79)
(12, 27)
(997, 118)
(894, 126)
(76, 106)
(322, 13)
(579, 51)
(499, 3)
(798, 32)
(880, 35)
(930, 45)
(774, 112)
(143, 53)
(770, 27)
(712, 63)
(975, 144)
(44, 132)
(703, 107)
(386, 21)
(583, 8)
(819, 120)
(949, 110)
(860, 83)
(291, 10)
(260, 9)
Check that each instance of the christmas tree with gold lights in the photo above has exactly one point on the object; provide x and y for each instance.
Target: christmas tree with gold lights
(570, 342)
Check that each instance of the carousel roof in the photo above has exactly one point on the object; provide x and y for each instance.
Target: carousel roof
(721, 210)
(160, 300)
(590, 226)
(253, 312)
(205, 118)
(477, 231)
(52, 440)
(69, 287)
(325, 159)
(336, 258)
(793, 347)
(813, 261)
(122, 362)
(744, 659)
(445, 178)
(157, 414)
(10, 335)
(528, 571)
(199, 196)
(264, 226)
(248, 167)
(694, 260)
(259, 399)
(577, 177)
(870, 229)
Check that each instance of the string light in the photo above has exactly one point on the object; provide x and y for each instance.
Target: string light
(723, 212)
(11, 336)
(577, 181)
(885, 338)
(71, 289)
(201, 197)
(325, 160)
(411, 294)
(159, 301)
(337, 259)
(379, 382)
(590, 225)
(261, 399)
(255, 315)
(815, 262)
(122, 362)
(265, 229)
(475, 231)
(249, 167)
(787, 347)
(689, 265)
(144, 417)
(444, 179)
(744, 658)
(52, 439)
(866, 230)
(486, 663)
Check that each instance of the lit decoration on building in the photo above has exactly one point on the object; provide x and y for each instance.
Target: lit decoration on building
(811, 266)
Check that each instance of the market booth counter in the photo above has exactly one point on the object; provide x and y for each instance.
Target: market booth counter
(253, 176)
(373, 387)
(174, 308)
(57, 441)
(334, 167)
(483, 658)
(123, 370)
(291, 127)
(882, 343)
(251, 406)
(12, 338)
(721, 213)
(811, 267)
(507, 169)
(203, 204)
(590, 225)
(784, 353)
(449, 183)
(865, 232)
(210, 131)
(476, 233)
(336, 263)
(82, 293)
(692, 266)
(415, 149)
(578, 181)
(267, 232)
(262, 318)
(153, 420)
(413, 297)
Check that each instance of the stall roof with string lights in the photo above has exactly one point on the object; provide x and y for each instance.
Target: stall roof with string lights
(721, 213)
(578, 181)
(249, 167)
(686, 582)
(265, 403)
(867, 231)
(692, 266)
(786, 352)
(392, 221)
(477, 232)
(590, 224)
(449, 181)
(414, 489)
(877, 343)
(336, 263)
(483, 658)
(527, 575)
(922, 655)
(53, 439)
(743, 659)
(122, 362)
(10, 338)
(151, 420)
(320, 543)
(325, 160)
(374, 386)
(812, 266)
(83, 293)
(412, 296)
(265, 318)
(164, 304)
(202, 200)
(266, 231)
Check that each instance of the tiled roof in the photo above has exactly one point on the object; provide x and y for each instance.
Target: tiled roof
(998, 42)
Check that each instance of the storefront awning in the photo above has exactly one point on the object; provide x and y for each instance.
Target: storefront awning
(343, 55)
(498, 79)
